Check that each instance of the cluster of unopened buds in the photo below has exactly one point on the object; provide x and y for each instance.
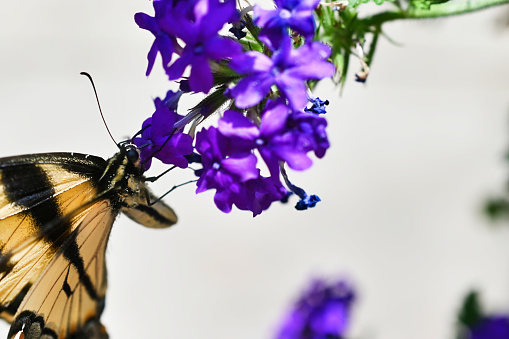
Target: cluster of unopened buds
(257, 78)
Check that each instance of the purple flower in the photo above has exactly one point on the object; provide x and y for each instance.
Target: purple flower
(310, 131)
(159, 139)
(323, 311)
(272, 139)
(491, 327)
(259, 194)
(295, 14)
(288, 69)
(199, 32)
(164, 43)
(171, 100)
(229, 166)
(225, 168)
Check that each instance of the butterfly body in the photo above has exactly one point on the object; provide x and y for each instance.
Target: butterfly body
(56, 214)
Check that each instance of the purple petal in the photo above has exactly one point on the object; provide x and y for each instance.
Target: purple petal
(145, 21)
(303, 23)
(219, 14)
(176, 70)
(201, 79)
(223, 201)
(251, 90)
(244, 168)
(274, 120)
(262, 16)
(221, 48)
(294, 90)
(296, 159)
(151, 57)
(317, 70)
(236, 124)
(251, 62)
(165, 46)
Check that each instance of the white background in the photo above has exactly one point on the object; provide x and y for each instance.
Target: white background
(414, 153)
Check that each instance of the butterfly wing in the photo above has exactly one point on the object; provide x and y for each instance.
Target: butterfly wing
(68, 298)
(56, 214)
(45, 201)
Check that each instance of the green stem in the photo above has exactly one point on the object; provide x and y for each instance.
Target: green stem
(452, 7)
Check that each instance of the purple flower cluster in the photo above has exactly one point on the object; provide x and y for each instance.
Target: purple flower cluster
(229, 162)
(288, 70)
(323, 311)
(491, 327)
(266, 84)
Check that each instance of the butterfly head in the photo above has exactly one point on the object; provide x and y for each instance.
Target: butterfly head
(130, 154)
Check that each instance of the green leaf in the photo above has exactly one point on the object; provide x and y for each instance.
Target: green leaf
(470, 313)
(355, 3)
(425, 4)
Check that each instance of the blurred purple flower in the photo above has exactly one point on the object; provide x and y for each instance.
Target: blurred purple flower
(322, 312)
(294, 14)
(288, 69)
(159, 139)
(491, 327)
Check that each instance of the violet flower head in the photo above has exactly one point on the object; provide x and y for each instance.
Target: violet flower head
(294, 14)
(199, 32)
(491, 327)
(272, 139)
(288, 69)
(323, 311)
(160, 140)
(225, 168)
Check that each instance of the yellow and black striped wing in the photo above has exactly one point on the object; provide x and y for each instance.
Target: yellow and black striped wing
(55, 219)
(56, 214)
(68, 298)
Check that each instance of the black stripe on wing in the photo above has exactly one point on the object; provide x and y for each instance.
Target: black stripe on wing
(28, 186)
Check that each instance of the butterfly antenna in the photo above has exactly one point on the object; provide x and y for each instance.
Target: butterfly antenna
(98, 104)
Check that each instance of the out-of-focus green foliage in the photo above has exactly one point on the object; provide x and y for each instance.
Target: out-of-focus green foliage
(470, 312)
(343, 26)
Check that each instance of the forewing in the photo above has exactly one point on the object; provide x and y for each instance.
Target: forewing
(36, 192)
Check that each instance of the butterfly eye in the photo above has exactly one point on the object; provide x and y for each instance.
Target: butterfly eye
(132, 154)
